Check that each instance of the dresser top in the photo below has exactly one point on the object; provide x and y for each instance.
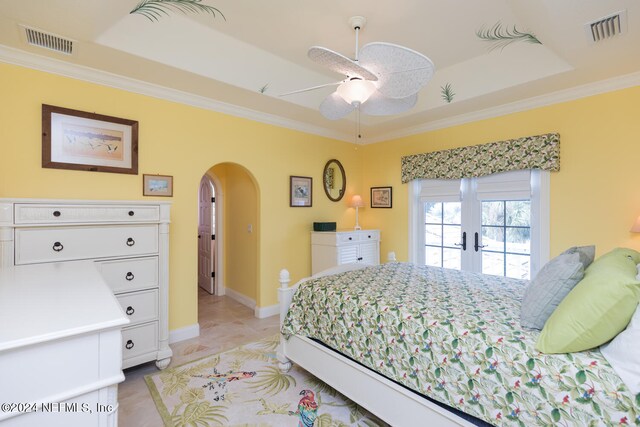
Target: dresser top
(45, 302)
(86, 202)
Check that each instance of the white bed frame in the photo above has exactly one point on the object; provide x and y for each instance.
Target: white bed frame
(384, 398)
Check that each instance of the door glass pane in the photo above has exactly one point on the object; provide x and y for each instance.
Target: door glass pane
(451, 235)
(451, 213)
(518, 266)
(493, 238)
(433, 234)
(451, 258)
(506, 236)
(493, 213)
(433, 256)
(493, 263)
(433, 212)
(518, 213)
(519, 240)
(442, 231)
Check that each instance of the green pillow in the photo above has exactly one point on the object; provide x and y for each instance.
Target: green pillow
(598, 308)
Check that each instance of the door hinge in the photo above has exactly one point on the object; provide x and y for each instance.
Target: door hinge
(213, 237)
(213, 200)
(213, 274)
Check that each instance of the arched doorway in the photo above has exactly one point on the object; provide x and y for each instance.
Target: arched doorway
(233, 258)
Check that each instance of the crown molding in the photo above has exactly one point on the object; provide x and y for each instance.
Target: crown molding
(80, 72)
(50, 65)
(582, 91)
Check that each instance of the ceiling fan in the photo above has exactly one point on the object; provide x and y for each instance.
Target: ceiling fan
(383, 79)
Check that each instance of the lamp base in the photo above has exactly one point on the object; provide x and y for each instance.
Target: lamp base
(357, 227)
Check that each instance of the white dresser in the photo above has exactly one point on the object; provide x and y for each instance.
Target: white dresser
(127, 241)
(333, 248)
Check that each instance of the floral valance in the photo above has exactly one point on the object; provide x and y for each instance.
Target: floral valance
(531, 152)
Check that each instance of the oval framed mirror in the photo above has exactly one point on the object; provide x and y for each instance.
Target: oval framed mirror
(334, 180)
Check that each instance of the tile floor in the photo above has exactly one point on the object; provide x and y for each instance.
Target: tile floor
(224, 324)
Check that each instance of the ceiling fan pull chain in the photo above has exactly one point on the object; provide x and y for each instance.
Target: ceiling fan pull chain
(357, 32)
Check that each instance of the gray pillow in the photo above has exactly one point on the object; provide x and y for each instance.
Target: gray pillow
(587, 254)
(553, 282)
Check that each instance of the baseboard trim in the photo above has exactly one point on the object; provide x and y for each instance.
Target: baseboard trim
(242, 299)
(182, 334)
(268, 311)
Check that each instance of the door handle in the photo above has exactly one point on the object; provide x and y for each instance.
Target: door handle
(464, 241)
(476, 246)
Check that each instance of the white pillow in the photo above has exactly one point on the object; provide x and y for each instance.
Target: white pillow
(622, 353)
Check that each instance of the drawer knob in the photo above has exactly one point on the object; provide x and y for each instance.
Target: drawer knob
(56, 213)
(129, 345)
(360, 259)
(130, 310)
(57, 246)
(129, 276)
(131, 213)
(369, 236)
(350, 238)
(130, 241)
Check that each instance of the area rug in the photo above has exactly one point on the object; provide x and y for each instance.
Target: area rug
(244, 387)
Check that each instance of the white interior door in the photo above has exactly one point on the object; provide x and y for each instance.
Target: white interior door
(206, 237)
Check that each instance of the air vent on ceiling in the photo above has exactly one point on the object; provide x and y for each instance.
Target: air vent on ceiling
(607, 27)
(48, 41)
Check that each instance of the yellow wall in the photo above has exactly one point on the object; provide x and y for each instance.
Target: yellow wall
(594, 197)
(185, 142)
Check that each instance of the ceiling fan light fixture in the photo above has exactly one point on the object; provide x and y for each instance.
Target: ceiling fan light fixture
(356, 91)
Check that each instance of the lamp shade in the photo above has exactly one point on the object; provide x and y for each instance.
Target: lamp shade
(356, 201)
(635, 228)
(356, 91)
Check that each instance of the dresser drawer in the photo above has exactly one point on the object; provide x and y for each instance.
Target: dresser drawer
(26, 213)
(369, 235)
(126, 275)
(347, 237)
(137, 340)
(140, 306)
(35, 245)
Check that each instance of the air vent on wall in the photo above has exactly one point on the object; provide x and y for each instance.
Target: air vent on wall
(48, 41)
(607, 27)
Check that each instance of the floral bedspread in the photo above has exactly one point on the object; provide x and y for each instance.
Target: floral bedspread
(456, 337)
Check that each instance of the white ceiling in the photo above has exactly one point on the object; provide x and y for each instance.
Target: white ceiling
(260, 43)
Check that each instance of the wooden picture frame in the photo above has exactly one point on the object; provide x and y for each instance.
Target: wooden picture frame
(300, 191)
(381, 197)
(79, 140)
(157, 185)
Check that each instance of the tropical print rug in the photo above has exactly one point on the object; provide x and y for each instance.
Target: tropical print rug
(244, 387)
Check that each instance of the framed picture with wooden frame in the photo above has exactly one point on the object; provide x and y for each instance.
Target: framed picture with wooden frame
(381, 197)
(300, 191)
(157, 185)
(79, 140)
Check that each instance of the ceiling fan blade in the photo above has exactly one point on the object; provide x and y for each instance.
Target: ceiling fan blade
(334, 107)
(380, 105)
(401, 71)
(339, 63)
(311, 88)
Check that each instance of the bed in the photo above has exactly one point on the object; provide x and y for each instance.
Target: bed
(412, 343)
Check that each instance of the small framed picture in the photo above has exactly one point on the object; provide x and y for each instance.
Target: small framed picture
(300, 189)
(381, 197)
(79, 140)
(157, 185)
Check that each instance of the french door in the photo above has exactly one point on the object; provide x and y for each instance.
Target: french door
(492, 225)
